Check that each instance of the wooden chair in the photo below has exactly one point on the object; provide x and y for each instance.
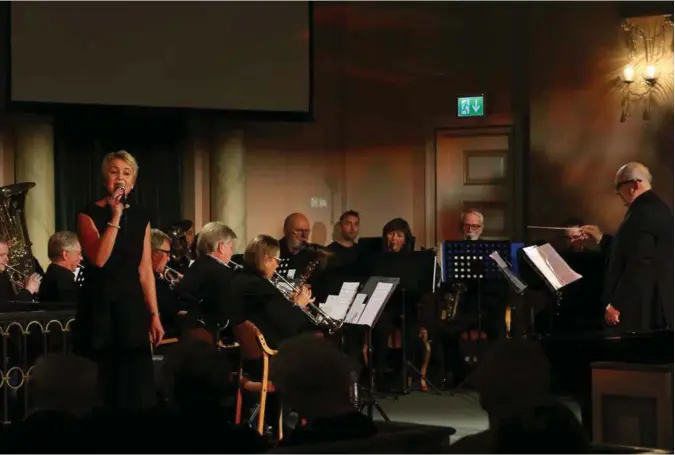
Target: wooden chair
(254, 347)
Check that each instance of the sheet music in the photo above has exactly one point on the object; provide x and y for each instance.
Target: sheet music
(549, 263)
(336, 306)
(377, 299)
(501, 263)
(357, 309)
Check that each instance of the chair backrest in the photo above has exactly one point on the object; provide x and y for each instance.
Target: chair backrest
(252, 343)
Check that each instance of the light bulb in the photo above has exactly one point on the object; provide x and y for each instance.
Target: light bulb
(628, 74)
(649, 73)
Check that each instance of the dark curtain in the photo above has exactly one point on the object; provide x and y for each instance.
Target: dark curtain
(81, 142)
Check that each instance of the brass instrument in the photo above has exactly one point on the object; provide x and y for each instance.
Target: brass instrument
(315, 314)
(234, 266)
(18, 278)
(452, 301)
(14, 231)
(171, 276)
(180, 248)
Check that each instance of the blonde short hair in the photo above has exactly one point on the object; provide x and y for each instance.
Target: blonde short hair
(122, 155)
(261, 246)
(212, 234)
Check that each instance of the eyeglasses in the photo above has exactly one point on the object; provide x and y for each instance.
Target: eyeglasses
(163, 250)
(473, 227)
(301, 231)
(623, 182)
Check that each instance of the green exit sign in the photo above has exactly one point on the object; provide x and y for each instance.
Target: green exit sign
(470, 106)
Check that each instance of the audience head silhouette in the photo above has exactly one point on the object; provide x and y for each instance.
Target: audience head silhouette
(313, 376)
(64, 383)
(513, 377)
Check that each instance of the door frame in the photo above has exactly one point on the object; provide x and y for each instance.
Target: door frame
(502, 124)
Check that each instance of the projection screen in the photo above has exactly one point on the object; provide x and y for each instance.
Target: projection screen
(250, 56)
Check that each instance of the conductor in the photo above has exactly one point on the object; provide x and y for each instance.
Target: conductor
(638, 291)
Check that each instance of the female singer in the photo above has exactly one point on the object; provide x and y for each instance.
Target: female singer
(261, 302)
(118, 305)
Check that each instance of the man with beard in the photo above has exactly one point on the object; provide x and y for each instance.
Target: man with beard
(344, 247)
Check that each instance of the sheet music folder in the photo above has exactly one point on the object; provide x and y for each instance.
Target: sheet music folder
(552, 268)
(371, 300)
(508, 273)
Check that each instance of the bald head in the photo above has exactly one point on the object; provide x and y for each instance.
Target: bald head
(296, 230)
(631, 181)
(634, 171)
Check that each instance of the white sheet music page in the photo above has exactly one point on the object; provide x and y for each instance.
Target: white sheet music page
(332, 307)
(551, 265)
(356, 310)
(377, 299)
(336, 306)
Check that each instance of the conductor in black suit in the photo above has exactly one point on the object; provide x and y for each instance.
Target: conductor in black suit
(58, 284)
(204, 288)
(638, 291)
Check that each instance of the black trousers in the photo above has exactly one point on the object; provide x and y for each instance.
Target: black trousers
(126, 378)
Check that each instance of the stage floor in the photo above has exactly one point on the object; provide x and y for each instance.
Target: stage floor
(460, 411)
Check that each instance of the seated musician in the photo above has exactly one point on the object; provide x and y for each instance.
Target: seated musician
(205, 285)
(293, 246)
(58, 284)
(24, 291)
(345, 254)
(397, 238)
(264, 304)
(479, 307)
(167, 300)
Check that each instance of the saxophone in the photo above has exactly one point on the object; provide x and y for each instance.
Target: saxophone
(454, 300)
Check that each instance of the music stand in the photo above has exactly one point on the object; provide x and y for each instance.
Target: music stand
(517, 285)
(416, 270)
(375, 294)
(469, 260)
(552, 269)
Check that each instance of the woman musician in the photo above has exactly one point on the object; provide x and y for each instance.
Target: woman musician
(261, 302)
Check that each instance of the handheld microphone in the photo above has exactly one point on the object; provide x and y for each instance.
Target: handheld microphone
(123, 187)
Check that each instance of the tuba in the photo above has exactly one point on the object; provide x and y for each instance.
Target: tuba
(14, 231)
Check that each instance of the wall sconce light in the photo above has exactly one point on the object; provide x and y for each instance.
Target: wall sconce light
(645, 51)
(628, 75)
(649, 74)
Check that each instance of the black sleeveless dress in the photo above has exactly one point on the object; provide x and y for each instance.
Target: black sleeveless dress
(112, 323)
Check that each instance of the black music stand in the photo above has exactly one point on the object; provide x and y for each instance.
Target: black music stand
(378, 291)
(552, 269)
(416, 271)
(468, 261)
(510, 275)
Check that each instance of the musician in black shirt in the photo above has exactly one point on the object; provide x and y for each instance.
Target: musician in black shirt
(58, 284)
(345, 252)
(205, 286)
(9, 291)
(261, 302)
(293, 249)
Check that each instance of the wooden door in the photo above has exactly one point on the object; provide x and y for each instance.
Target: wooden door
(474, 170)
